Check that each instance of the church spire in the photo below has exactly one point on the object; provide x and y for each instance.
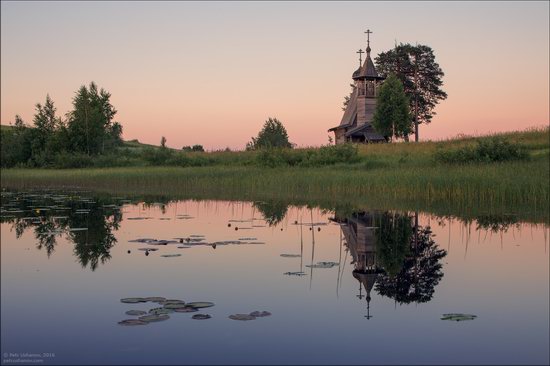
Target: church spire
(368, 32)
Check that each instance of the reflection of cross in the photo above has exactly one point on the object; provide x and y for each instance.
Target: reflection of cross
(360, 296)
(368, 316)
(360, 52)
(368, 32)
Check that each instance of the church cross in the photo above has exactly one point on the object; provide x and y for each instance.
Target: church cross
(368, 32)
(360, 52)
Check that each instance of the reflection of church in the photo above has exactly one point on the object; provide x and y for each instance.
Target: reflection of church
(359, 235)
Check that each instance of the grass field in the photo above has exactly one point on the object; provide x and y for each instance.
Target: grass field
(397, 176)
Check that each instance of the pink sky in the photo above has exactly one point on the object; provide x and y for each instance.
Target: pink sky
(211, 73)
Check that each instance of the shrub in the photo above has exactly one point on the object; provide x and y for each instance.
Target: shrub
(494, 149)
(65, 160)
(326, 155)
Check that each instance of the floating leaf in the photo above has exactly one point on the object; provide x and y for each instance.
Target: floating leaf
(295, 274)
(260, 314)
(200, 304)
(174, 306)
(171, 301)
(170, 255)
(155, 298)
(133, 300)
(291, 255)
(322, 265)
(186, 309)
(201, 316)
(243, 317)
(133, 322)
(148, 249)
(458, 317)
(160, 311)
(135, 312)
(154, 318)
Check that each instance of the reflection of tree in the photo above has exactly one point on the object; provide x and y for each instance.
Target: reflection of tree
(393, 236)
(420, 273)
(100, 218)
(93, 246)
(273, 211)
(45, 232)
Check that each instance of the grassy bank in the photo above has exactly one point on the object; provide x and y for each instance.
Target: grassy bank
(405, 176)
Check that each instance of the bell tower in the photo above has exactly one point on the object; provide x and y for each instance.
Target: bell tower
(367, 82)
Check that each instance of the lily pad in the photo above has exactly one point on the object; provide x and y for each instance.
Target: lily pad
(200, 304)
(132, 322)
(174, 306)
(291, 255)
(160, 311)
(201, 316)
(136, 312)
(132, 300)
(260, 314)
(322, 265)
(155, 298)
(295, 274)
(78, 229)
(242, 317)
(154, 318)
(170, 255)
(457, 317)
(186, 309)
(171, 301)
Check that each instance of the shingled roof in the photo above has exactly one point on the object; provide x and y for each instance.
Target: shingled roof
(368, 70)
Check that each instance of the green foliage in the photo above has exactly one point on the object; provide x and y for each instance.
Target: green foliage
(393, 237)
(90, 124)
(488, 150)
(325, 155)
(392, 117)
(89, 130)
(273, 211)
(420, 75)
(66, 160)
(193, 148)
(272, 135)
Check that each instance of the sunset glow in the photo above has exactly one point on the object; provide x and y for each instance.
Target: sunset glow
(211, 73)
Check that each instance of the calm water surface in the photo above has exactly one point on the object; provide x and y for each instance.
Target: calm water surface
(68, 259)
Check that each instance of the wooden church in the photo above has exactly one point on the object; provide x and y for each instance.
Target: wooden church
(356, 123)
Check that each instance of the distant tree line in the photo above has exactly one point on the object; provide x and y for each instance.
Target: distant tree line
(88, 130)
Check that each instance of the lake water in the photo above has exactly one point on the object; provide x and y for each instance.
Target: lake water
(68, 260)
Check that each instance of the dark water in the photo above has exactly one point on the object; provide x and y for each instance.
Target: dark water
(68, 259)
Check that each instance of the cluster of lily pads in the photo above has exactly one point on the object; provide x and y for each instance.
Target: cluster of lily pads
(188, 242)
(168, 306)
